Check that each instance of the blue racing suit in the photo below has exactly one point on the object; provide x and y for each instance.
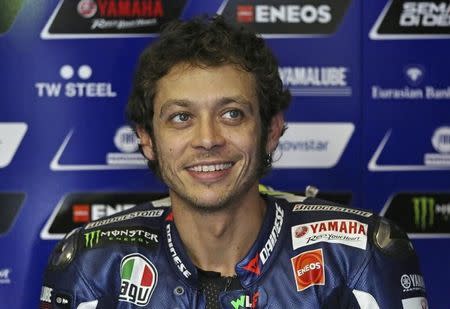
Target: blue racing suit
(309, 253)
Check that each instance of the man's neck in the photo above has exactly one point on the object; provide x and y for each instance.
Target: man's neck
(217, 241)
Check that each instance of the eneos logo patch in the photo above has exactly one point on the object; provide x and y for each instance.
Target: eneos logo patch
(138, 279)
(308, 269)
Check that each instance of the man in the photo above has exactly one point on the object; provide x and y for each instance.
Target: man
(207, 105)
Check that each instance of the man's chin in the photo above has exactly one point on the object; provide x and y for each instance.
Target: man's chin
(212, 204)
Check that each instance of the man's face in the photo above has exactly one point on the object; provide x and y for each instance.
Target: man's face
(207, 132)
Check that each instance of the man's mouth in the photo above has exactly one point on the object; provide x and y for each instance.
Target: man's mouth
(204, 168)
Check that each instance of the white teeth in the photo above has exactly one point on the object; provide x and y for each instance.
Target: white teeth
(210, 168)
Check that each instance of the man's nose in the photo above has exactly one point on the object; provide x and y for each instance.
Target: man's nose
(208, 134)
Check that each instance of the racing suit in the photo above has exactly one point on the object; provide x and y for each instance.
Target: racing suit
(308, 254)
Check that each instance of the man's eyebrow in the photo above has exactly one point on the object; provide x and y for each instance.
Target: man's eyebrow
(169, 103)
(221, 102)
(237, 99)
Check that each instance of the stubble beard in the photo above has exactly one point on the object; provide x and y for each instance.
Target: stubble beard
(223, 203)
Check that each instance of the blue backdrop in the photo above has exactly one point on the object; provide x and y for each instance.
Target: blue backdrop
(369, 120)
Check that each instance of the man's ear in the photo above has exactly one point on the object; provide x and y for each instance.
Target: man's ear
(274, 132)
(146, 143)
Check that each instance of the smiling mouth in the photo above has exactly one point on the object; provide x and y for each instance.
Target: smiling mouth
(205, 168)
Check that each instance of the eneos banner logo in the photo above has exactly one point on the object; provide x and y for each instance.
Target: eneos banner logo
(77, 209)
(286, 18)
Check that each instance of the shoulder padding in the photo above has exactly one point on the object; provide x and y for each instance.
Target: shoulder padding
(392, 240)
(65, 250)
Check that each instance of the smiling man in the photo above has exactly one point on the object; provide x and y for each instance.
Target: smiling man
(207, 105)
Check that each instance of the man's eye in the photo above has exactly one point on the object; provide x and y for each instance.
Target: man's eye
(181, 117)
(233, 114)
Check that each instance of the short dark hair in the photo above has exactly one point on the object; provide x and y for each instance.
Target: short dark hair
(207, 42)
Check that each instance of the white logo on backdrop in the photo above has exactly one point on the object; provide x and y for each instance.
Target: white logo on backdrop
(11, 135)
(77, 85)
(432, 161)
(313, 145)
(125, 141)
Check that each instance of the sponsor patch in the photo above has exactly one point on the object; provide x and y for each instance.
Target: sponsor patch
(308, 269)
(133, 236)
(63, 300)
(412, 282)
(245, 301)
(253, 265)
(136, 214)
(46, 297)
(347, 232)
(176, 259)
(257, 262)
(138, 279)
(415, 303)
(305, 207)
(266, 251)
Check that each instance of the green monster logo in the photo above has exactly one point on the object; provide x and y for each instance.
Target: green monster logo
(424, 209)
(91, 238)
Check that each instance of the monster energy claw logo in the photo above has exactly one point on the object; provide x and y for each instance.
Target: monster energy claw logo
(91, 238)
(424, 209)
(139, 236)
